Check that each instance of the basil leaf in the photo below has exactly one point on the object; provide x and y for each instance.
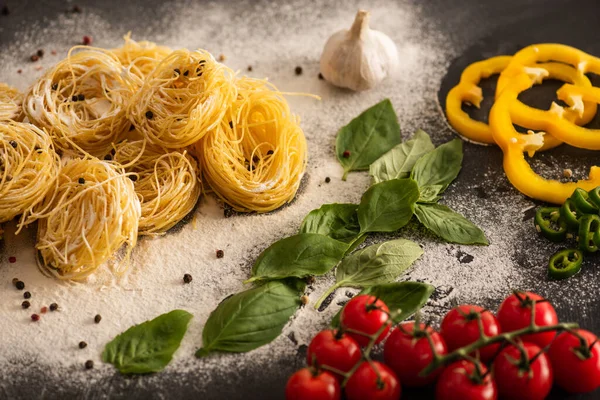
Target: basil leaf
(439, 167)
(250, 319)
(149, 346)
(367, 137)
(298, 256)
(408, 297)
(338, 221)
(449, 225)
(429, 194)
(398, 162)
(387, 206)
(378, 263)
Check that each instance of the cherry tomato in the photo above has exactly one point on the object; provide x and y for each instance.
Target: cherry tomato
(460, 328)
(306, 384)
(364, 384)
(576, 364)
(340, 352)
(519, 378)
(407, 352)
(515, 313)
(459, 381)
(366, 314)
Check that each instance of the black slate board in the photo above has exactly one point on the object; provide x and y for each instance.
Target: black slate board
(491, 28)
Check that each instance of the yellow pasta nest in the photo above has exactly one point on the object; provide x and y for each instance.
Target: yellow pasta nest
(182, 99)
(254, 160)
(10, 103)
(167, 183)
(81, 102)
(90, 213)
(28, 169)
(140, 58)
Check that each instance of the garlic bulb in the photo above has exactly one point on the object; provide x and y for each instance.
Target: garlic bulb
(358, 58)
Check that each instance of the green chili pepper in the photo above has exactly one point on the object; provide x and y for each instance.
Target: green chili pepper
(582, 202)
(595, 196)
(589, 225)
(549, 223)
(565, 263)
(569, 214)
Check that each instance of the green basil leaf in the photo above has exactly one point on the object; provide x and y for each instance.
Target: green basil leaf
(449, 225)
(378, 263)
(149, 346)
(367, 137)
(387, 206)
(408, 297)
(338, 221)
(399, 161)
(430, 193)
(250, 319)
(299, 256)
(440, 166)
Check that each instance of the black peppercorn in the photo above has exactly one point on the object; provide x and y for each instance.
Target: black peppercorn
(187, 278)
(327, 179)
(89, 364)
(298, 70)
(55, 86)
(27, 295)
(82, 345)
(80, 97)
(20, 285)
(25, 304)
(53, 307)
(321, 76)
(40, 53)
(149, 114)
(220, 253)
(97, 318)
(81, 181)
(74, 98)
(13, 144)
(249, 68)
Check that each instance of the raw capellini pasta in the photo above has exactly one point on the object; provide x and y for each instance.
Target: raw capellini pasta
(254, 160)
(81, 102)
(167, 183)
(10, 103)
(140, 58)
(28, 169)
(182, 99)
(91, 211)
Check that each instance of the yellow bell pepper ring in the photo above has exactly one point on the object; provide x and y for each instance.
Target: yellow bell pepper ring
(531, 55)
(467, 90)
(515, 144)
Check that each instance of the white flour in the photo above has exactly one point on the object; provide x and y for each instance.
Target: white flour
(273, 40)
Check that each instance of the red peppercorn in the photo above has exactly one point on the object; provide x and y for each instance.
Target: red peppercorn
(12, 260)
(44, 310)
(19, 71)
(220, 254)
(87, 40)
(35, 317)
(346, 154)
(35, 57)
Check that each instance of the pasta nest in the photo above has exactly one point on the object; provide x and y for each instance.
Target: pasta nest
(10, 103)
(166, 182)
(184, 97)
(91, 213)
(255, 158)
(81, 102)
(28, 169)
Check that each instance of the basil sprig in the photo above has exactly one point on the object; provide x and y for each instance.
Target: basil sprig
(252, 318)
(367, 137)
(149, 346)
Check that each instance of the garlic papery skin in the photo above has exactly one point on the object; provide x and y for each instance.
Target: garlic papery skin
(358, 58)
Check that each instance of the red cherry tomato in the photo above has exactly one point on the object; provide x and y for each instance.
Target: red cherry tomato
(366, 314)
(364, 384)
(515, 313)
(407, 352)
(307, 385)
(460, 328)
(519, 379)
(576, 364)
(340, 352)
(459, 382)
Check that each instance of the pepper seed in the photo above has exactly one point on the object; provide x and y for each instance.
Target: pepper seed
(298, 70)
(53, 307)
(89, 364)
(327, 179)
(149, 114)
(220, 254)
(27, 295)
(25, 304)
(346, 154)
(97, 318)
(20, 285)
(35, 317)
(82, 345)
(187, 278)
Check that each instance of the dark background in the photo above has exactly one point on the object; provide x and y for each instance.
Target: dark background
(492, 28)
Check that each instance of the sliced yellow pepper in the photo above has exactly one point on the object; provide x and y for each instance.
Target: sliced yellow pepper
(468, 91)
(514, 144)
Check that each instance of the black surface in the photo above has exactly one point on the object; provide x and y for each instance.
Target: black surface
(492, 28)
